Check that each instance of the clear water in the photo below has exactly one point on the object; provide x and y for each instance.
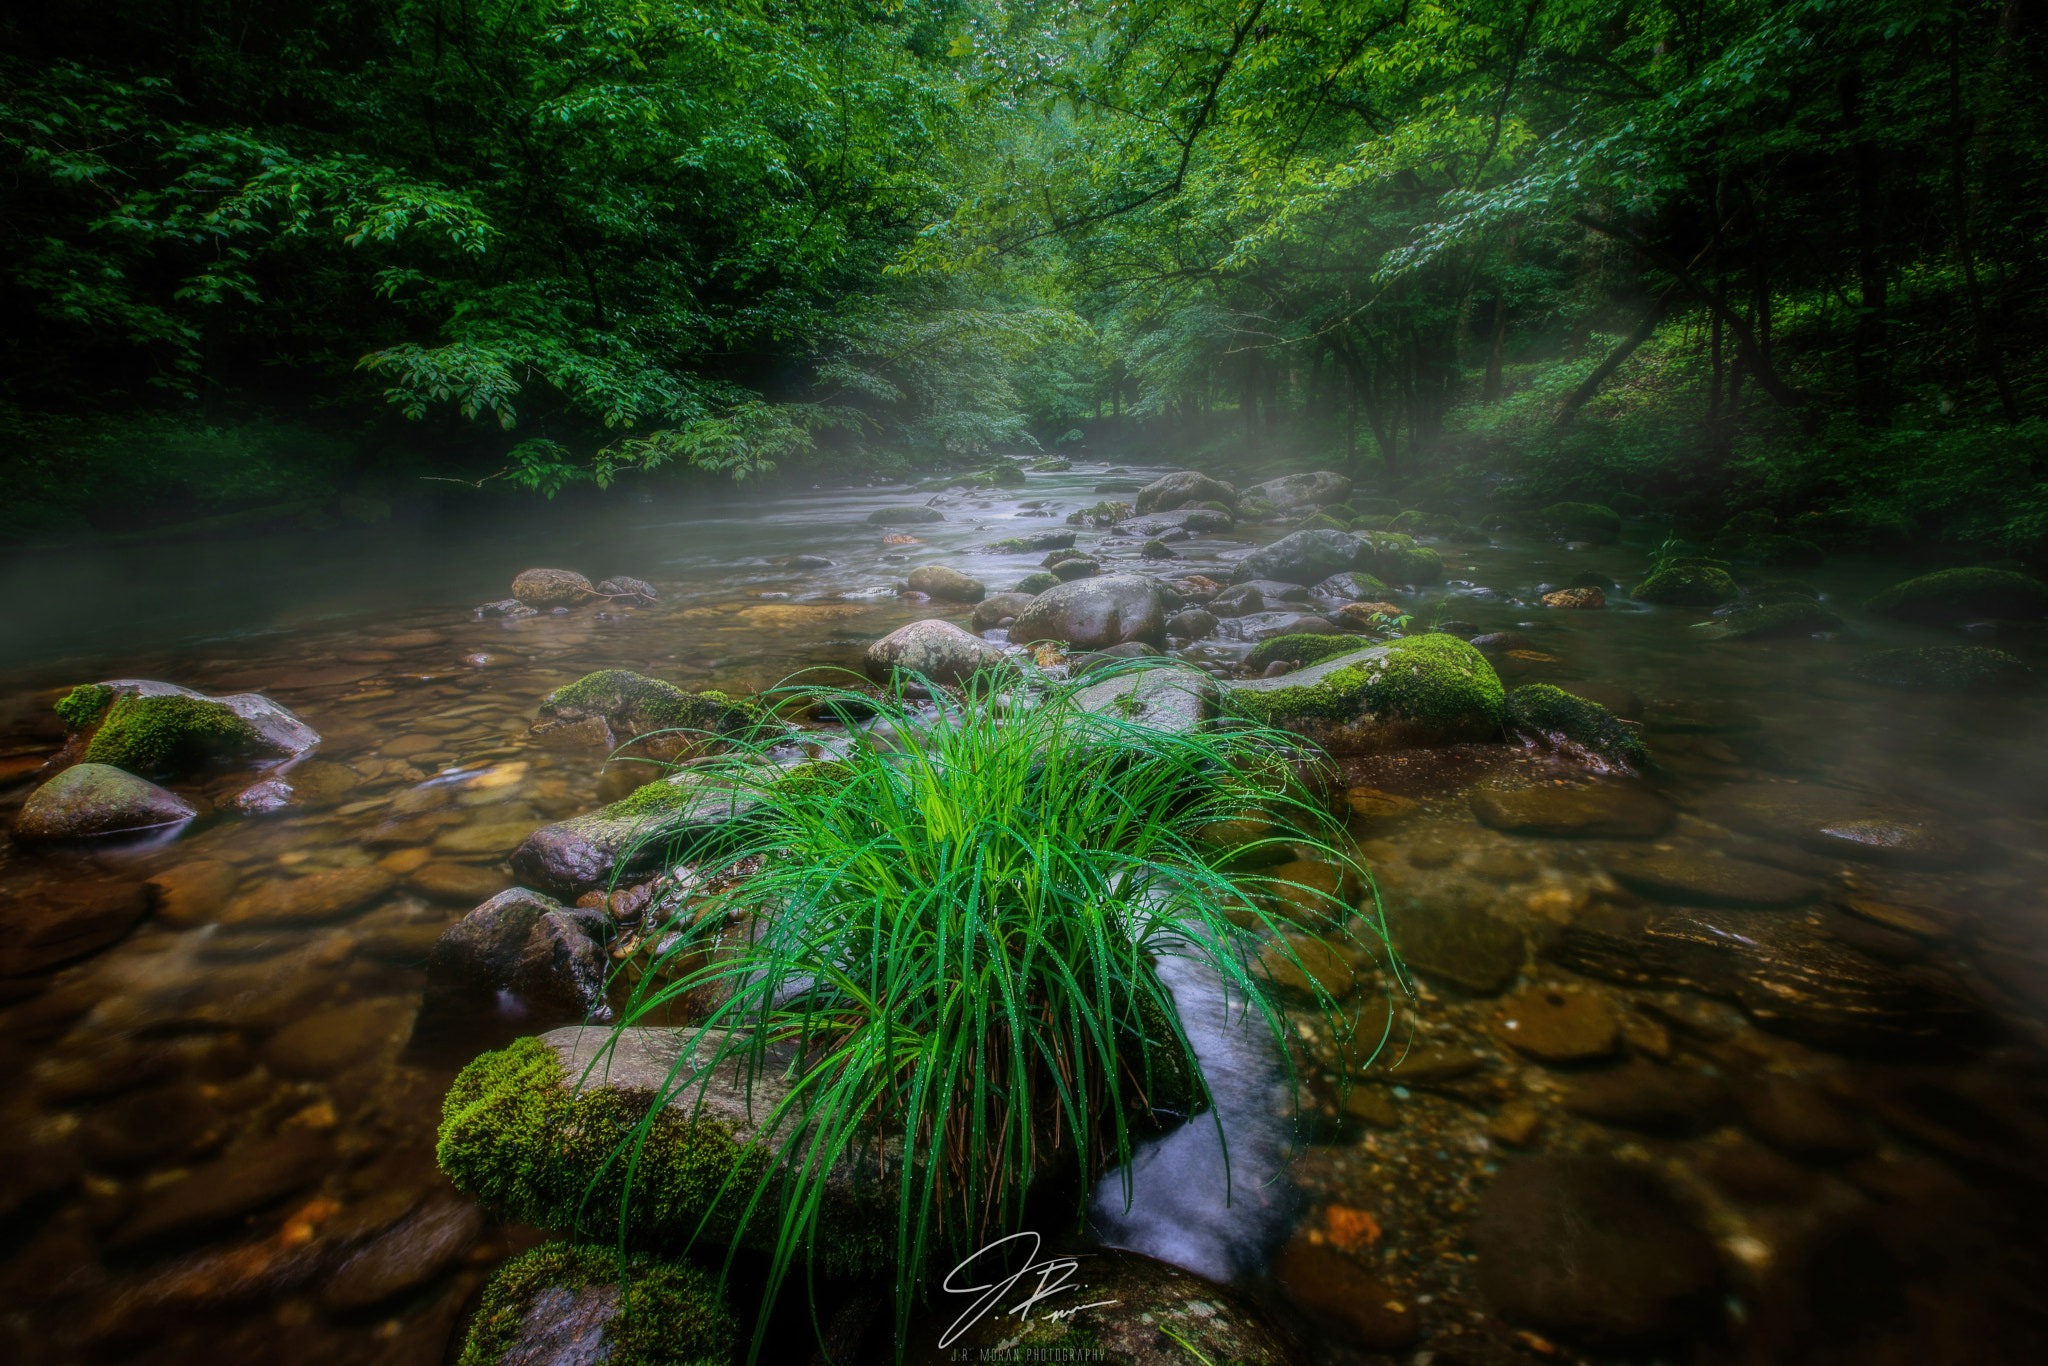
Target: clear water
(190, 1051)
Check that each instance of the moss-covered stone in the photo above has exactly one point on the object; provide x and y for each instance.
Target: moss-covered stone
(1960, 594)
(1035, 584)
(84, 705)
(553, 1149)
(1944, 668)
(905, 516)
(1004, 474)
(1343, 512)
(1790, 616)
(633, 705)
(1353, 586)
(1688, 585)
(1423, 690)
(1397, 559)
(1373, 522)
(1304, 649)
(1556, 717)
(1322, 521)
(168, 734)
(652, 1313)
(1419, 523)
(1582, 522)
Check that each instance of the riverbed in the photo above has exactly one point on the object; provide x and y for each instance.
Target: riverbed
(1816, 1131)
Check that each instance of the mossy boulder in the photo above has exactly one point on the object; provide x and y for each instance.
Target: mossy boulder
(613, 707)
(1396, 558)
(1352, 586)
(545, 1130)
(634, 838)
(1419, 523)
(1301, 650)
(1581, 522)
(1945, 668)
(1187, 488)
(1322, 521)
(1343, 512)
(1005, 474)
(1552, 716)
(907, 516)
(1423, 690)
(946, 583)
(631, 1312)
(1038, 540)
(169, 735)
(1035, 584)
(552, 588)
(1375, 522)
(1791, 615)
(1688, 585)
(89, 799)
(1953, 595)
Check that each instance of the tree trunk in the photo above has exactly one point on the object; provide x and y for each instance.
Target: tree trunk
(1590, 386)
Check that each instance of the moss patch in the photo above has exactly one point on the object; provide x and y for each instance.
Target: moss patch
(1791, 615)
(513, 1136)
(1959, 594)
(1940, 668)
(670, 1316)
(1301, 649)
(1433, 677)
(1688, 585)
(160, 736)
(1552, 714)
(637, 704)
(1034, 584)
(1397, 559)
(83, 705)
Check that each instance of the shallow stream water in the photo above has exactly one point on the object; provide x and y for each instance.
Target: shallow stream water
(204, 1123)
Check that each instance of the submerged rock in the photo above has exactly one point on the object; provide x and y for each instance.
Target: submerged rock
(50, 925)
(1840, 824)
(1793, 616)
(635, 590)
(1095, 613)
(1565, 721)
(1291, 491)
(907, 516)
(936, 650)
(1593, 522)
(1456, 943)
(1945, 668)
(417, 1250)
(1700, 879)
(1593, 1250)
(552, 588)
(1172, 491)
(538, 1130)
(1553, 1025)
(88, 800)
(946, 583)
(1688, 586)
(1038, 540)
(1643, 1095)
(1957, 595)
(1416, 692)
(564, 1305)
(1604, 811)
(549, 957)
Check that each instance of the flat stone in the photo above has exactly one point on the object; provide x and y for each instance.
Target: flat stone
(1798, 1117)
(1921, 921)
(1313, 963)
(1750, 1172)
(1839, 824)
(1463, 947)
(1335, 1289)
(1656, 1099)
(315, 897)
(88, 800)
(1162, 698)
(243, 1179)
(409, 1255)
(489, 837)
(1604, 811)
(1710, 880)
(1556, 1025)
(162, 1122)
(45, 926)
(1591, 1250)
(334, 1040)
(1441, 1062)
(463, 882)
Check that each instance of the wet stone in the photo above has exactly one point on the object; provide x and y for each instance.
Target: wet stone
(1700, 879)
(88, 800)
(1371, 1106)
(1319, 964)
(1798, 1117)
(1334, 1288)
(1604, 811)
(315, 897)
(1593, 1251)
(1425, 1065)
(1755, 1174)
(47, 926)
(1464, 947)
(165, 1121)
(324, 1044)
(459, 882)
(407, 1256)
(548, 956)
(1556, 1025)
(241, 1180)
(1653, 1098)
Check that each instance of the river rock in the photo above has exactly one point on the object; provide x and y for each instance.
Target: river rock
(245, 1178)
(1081, 665)
(193, 893)
(1415, 692)
(548, 956)
(1307, 964)
(1602, 811)
(1193, 624)
(1241, 600)
(1958, 595)
(1945, 668)
(907, 516)
(1565, 721)
(552, 588)
(1839, 824)
(163, 729)
(1697, 878)
(1037, 540)
(1583, 599)
(1457, 944)
(1095, 613)
(1182, 523)
(991, 611)
(1556, 1025)
(611, 707)
(44, 926)
(1688, 586)
(506, 607)
(1066, 566)
(164, 1121)
(88, 800)
(946, 583)
(630, 589)
(303, 900)
(1790, 976)
(1291, 492)
(1794, 616)
(463, 882)
(404, 1257)
(1336, 1289)
(1171, 491)
(1169, 698)
(1798, 1117)
(321, 1045)
(634, 838)
(1304, 557)
(559, 1305)
(1655, 1099)
(1591, 1250)
(937, 650)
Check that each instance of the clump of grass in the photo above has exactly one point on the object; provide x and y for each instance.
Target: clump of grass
(957, 939)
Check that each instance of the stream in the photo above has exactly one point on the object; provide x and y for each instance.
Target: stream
(1798, 1093)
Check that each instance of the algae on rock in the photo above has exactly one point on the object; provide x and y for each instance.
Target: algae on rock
(646, 1312)
(1421, 690)
(1559, 718)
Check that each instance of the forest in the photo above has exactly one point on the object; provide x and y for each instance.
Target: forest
(1683, 258)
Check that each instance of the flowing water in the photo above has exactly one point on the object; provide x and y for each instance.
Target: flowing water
(1807, 1123)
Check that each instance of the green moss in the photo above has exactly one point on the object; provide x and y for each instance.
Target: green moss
(83, 705)
(1941, 668)
(1302, 649)
(512, 1135)
(159, 736)
(1552, 714)
(1959, 594)
(1343, 512)
(1035, 584)
(1005, 474)
(1323, 522)
(1213, 506)
(1397, 559)
(637, 703)
(1688, 585)
(1433, 677)
(1377, 522)
(1582, 522)
(1367, 587)
(671, 1314)
(1010, 546)
(1793, 616)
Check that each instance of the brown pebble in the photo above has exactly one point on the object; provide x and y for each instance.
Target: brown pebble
(193, 893)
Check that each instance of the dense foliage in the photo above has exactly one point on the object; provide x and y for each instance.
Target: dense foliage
(1782, 253)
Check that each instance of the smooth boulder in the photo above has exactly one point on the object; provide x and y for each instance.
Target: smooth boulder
(1293, 491)
(946, 583)
(1095, 613)
(1411, 693)
(1303, 557)
(1184, 489)
(549, 957)
(88, 800)
(935, 650)
(552, 588)
(1957, 595)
